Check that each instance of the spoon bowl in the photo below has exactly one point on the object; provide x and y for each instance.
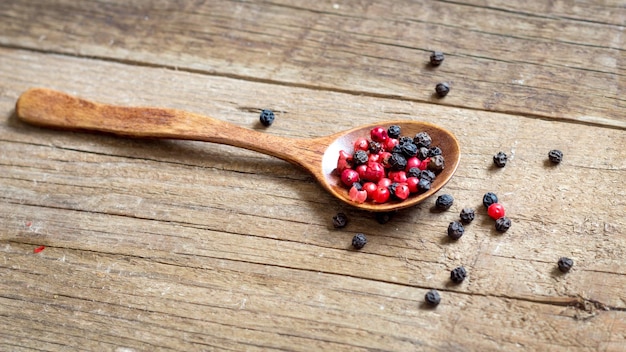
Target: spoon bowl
(54, 109)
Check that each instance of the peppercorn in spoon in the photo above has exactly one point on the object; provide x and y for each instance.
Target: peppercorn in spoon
(49, 108)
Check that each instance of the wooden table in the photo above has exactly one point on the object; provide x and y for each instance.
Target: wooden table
(189, 246)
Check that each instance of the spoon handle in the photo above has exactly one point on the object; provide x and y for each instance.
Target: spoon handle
(49, 108)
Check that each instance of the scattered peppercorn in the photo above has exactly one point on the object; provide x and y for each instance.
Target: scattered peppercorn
(436, 58)
(384, 217)
(444, 202)
(267, 117)
(442, 89)
(555, 156)
(467, 215)
(432, 297)
(455, 230)
(503, 224)
(458, 274)
(359, 240)
(437, 163)
(500, 159)
(565, 264)
(340, 220)
(393, 131)
(496, 211)
(489, 198)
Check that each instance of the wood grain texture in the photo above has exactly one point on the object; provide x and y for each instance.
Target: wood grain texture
(559, 66)
(192, 246)
(189, 246)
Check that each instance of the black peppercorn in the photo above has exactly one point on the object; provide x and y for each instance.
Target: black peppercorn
(455, 230)
(503, 224)
(405, 139)
(555, 156)
(436, 58)
(375, 147)
(384, 217)
(432, 297)
(427, 175)
(267, 117)
(359, 157)
(397, 161)
(565, 264)
(444, 201)
(408, 149)
(359, 240)
(489, 198)
(393, 131)
(436, 164)
(500, 159)
(423, 185)
(413, 172)
(340, 220)
(442, 89)
(423, 153)
(458, 274)
(467, 215)
(392, 190)
(434, 151)
(422, 139)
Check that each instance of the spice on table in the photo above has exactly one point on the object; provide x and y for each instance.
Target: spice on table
(495, 211)
(458, 274)
(436, 58)
(503, 224)
(359, 240)
(500, 159)
(384, 217)
(442, 89)
(340, 220)
(432, 297)
(467, 215)
(39, 249)
(565, 264)
(455, 230)
(444, 202)
(489, 198)
(267, 117)
(555, 156)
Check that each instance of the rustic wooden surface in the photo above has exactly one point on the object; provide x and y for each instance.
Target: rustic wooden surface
(190, 246)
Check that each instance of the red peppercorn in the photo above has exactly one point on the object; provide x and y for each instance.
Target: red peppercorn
(424, 164)
(344, 161)
(402, 191)
(361, 144)
(374, 171)
(361, 169)
(384, 182)
(381, 195)
(412, 162)
(357, 195)
(390, 143)
(412, 183)
(349, 176)
(397, 176)
(495, 211)
(370, 188)
(378, 134)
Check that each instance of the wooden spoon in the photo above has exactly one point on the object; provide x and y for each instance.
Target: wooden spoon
(49, 108)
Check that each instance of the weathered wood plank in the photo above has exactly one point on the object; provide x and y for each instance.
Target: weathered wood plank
(561, 68)
(191, 246)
